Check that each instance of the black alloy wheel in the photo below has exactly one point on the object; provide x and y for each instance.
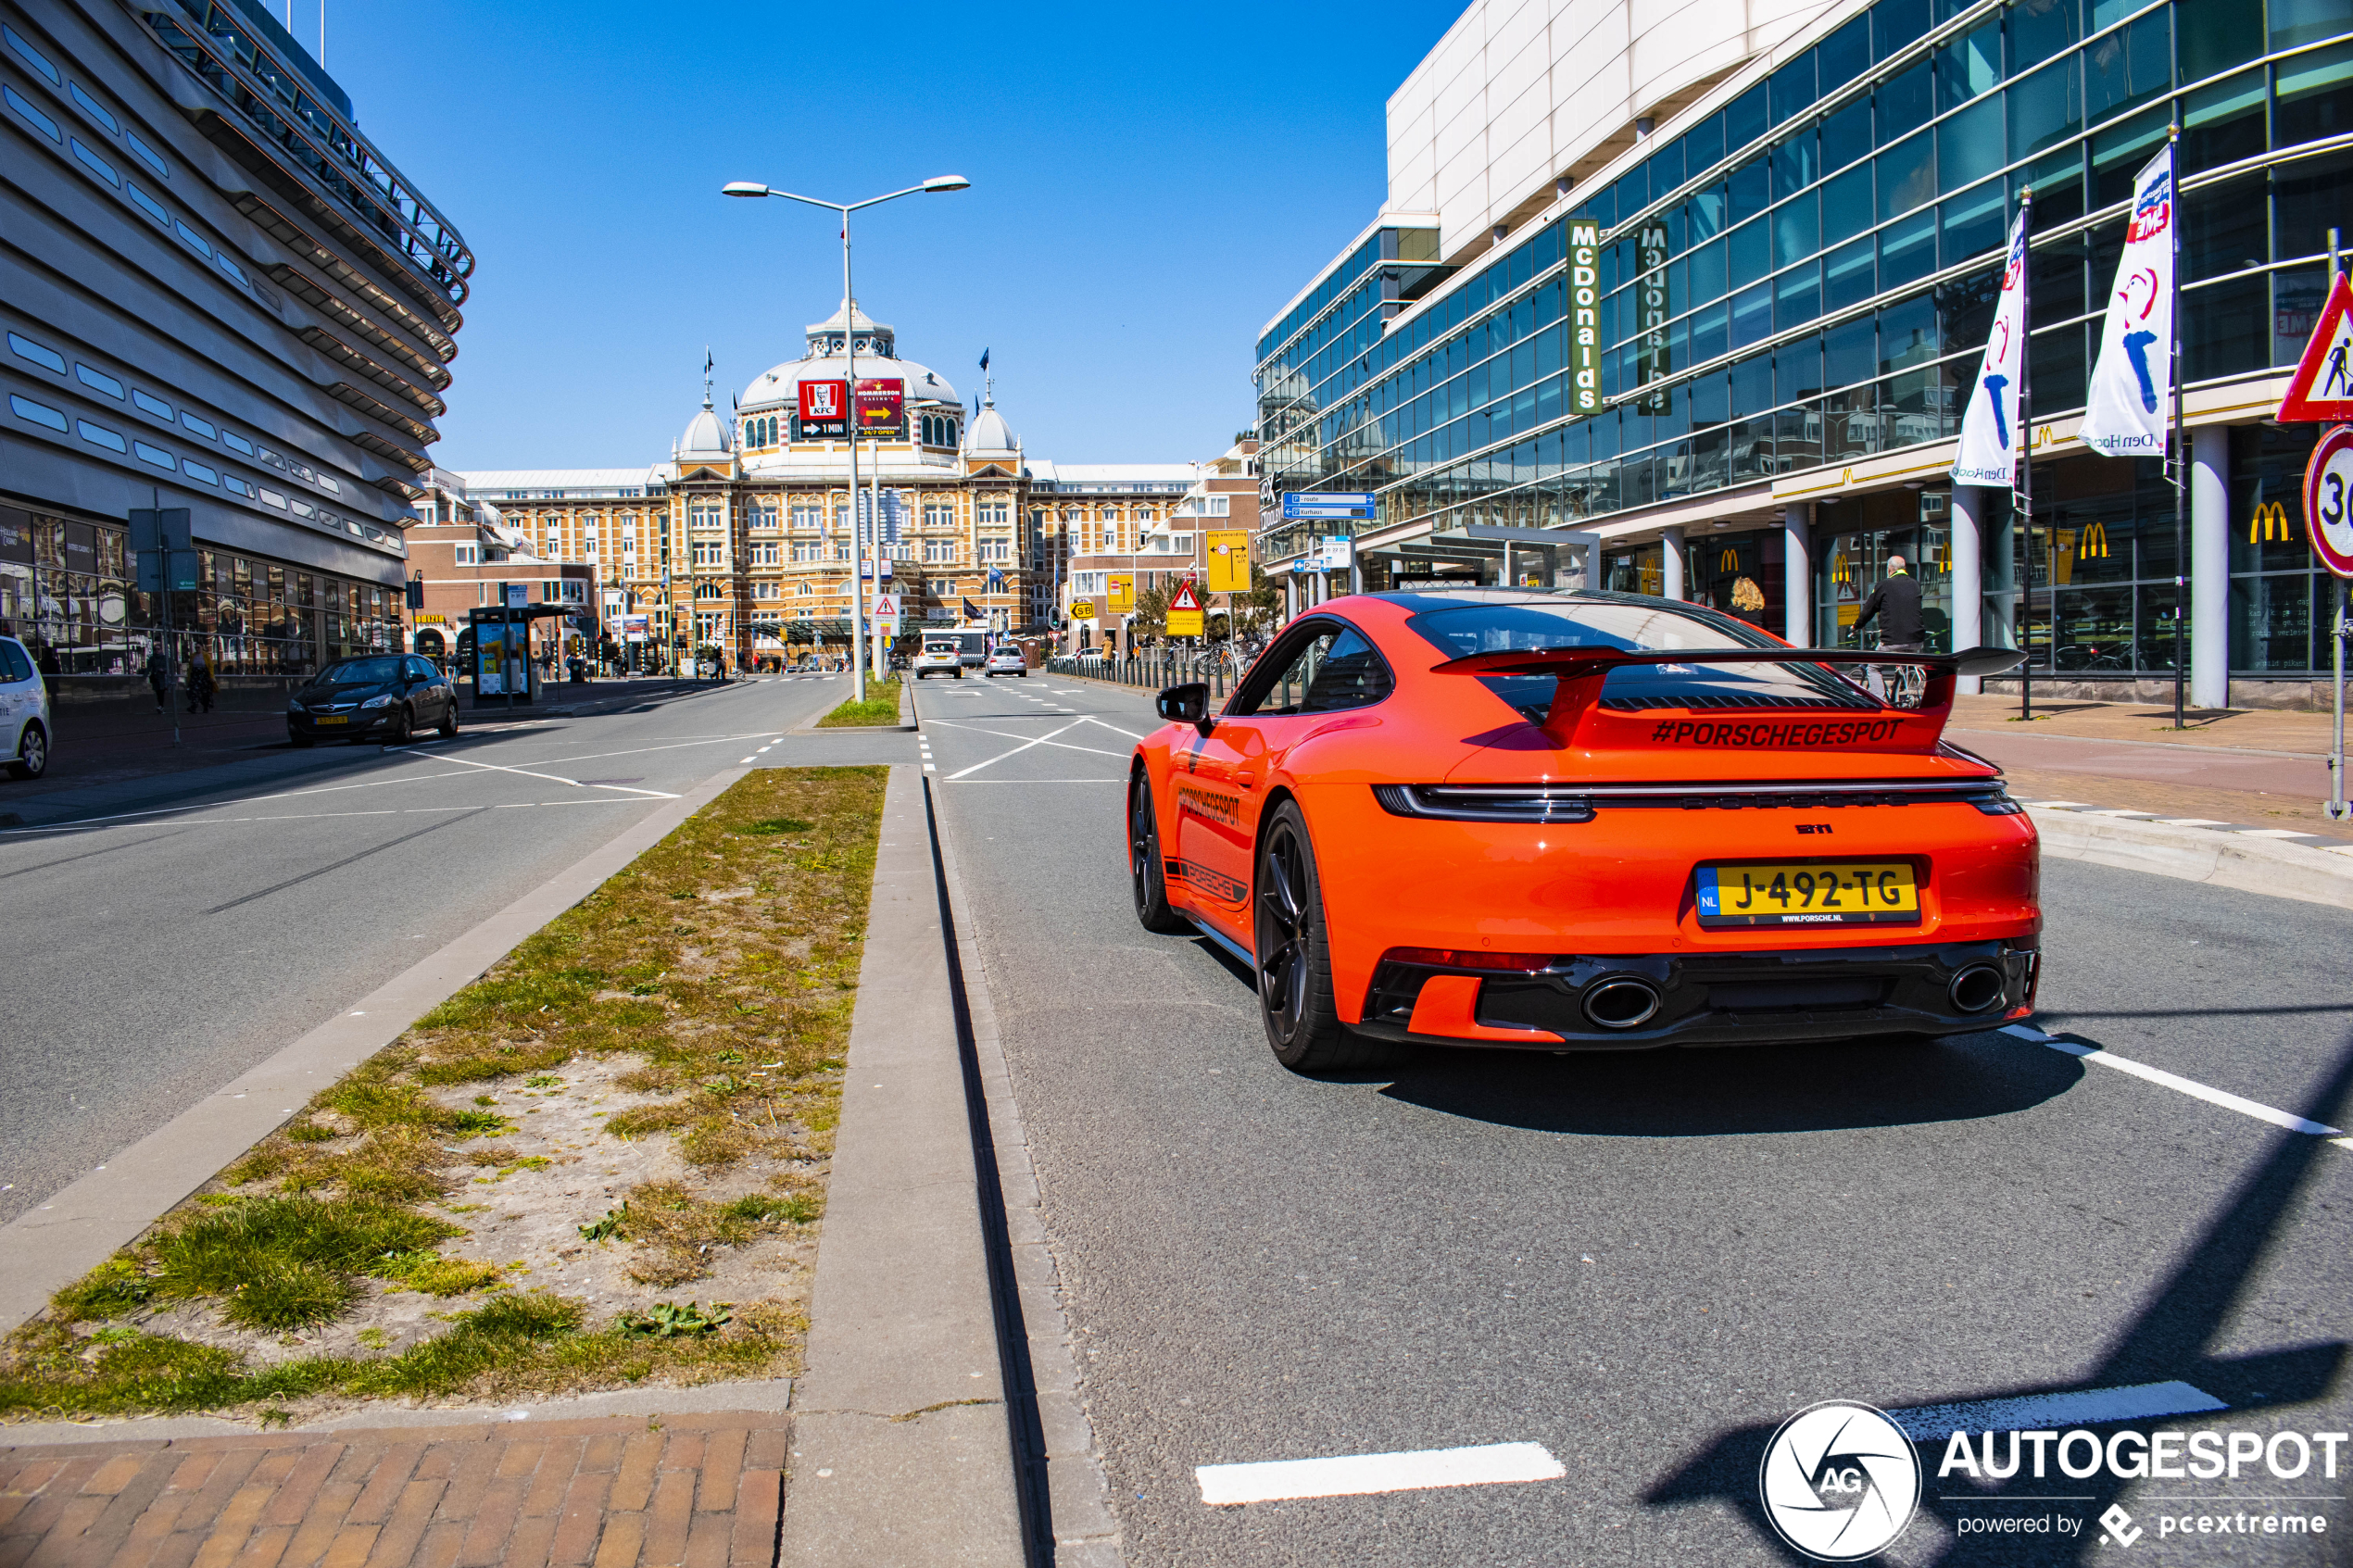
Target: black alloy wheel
(1294, 957)
(1147, 872)
(402, 722)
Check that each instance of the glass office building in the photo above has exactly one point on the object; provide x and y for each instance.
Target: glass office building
(221, 301)
(1792, 275)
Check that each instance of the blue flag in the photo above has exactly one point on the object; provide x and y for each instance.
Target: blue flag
(983, 361)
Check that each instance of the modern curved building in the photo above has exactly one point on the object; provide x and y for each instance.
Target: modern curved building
(1711, 279)
(218, 297)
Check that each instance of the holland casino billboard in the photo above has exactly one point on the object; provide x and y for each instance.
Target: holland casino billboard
(881, 407)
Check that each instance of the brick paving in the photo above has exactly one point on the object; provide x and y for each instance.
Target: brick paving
(696, 1492)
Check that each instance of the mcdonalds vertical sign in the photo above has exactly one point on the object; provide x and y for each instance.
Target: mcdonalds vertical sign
(882, 406)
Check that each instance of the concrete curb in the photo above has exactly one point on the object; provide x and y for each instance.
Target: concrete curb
(710, 1399)
(79, 1227)
(2220, 859)
(1086, 1531)
(902, 1452)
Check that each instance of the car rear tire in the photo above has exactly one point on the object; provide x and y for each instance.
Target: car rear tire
(32, 753)
(1146, 871)
(1294, 960)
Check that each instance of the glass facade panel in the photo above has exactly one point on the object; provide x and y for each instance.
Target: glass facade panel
(1443, 393)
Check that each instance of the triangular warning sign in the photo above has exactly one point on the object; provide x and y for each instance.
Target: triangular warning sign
(1186, 599)
(2321, 390)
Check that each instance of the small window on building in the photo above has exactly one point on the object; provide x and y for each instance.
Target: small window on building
(39, 354)
(33, 56)
(94, 109)
(97, 380)
(202, 427)
(236, 443)
(154, 160)
(154, 455)
(196, 242)
(147, 203)
(196, 470)
(99, 436)
(48, 127)
(151, 404)
(38, 413)
(96, 164)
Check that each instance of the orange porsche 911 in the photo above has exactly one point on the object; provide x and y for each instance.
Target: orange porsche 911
(1567, 820)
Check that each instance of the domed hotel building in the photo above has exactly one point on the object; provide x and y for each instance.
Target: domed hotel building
(742, 539)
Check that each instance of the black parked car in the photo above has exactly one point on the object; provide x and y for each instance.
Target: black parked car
(386, 696)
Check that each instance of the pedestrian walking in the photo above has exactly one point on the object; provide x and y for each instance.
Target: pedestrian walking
(158, 676)
(200, 684)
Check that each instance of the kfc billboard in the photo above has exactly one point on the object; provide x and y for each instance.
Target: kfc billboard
(881, 407)
(824, 408)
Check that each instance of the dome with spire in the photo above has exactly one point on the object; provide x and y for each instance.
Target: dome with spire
(990, 435)
(706, 434)
(827, 358)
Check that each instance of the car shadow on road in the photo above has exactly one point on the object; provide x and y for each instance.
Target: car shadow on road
(2172, 1337)
(1887, 1081)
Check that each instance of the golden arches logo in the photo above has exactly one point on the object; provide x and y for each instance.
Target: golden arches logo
(2269, 522)
(1729, 560)
(1839, 570)
(2093, 545)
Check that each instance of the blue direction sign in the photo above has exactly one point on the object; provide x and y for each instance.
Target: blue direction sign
(1324, 504)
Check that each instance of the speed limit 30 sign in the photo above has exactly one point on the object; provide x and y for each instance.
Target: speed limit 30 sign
(2328, 500)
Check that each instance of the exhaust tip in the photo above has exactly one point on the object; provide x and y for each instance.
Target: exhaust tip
(1621, 1003)
(1978, 988)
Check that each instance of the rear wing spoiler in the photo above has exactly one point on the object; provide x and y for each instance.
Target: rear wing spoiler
(1579, 672)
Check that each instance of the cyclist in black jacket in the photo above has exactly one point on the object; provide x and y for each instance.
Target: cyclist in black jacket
(1895, 604)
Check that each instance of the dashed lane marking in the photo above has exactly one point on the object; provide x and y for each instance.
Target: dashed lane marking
(2191, 1087)
(1223, 1486)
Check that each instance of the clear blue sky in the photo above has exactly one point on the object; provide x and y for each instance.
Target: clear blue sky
(1150, 184)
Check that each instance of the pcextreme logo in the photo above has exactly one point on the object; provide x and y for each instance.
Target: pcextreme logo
(1839, 1481)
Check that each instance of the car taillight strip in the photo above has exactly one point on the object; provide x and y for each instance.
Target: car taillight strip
(1545, 803)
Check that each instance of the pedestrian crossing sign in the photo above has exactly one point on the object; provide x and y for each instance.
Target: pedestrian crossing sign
(2321, 390)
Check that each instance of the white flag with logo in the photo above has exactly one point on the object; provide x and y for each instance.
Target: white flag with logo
(2126, 414)
(1989, 445)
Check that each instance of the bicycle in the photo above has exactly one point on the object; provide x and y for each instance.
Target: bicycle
(1898, 686)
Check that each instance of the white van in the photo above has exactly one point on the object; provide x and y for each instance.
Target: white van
(943, 654)
(24, 712)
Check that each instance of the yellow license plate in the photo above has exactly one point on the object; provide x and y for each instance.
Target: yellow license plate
(1818, 893)
(333, 719)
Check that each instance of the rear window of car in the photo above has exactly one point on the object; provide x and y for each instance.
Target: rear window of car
(1460, 628)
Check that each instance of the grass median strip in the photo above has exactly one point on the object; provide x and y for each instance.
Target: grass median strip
(509, 1199)
(881, 707)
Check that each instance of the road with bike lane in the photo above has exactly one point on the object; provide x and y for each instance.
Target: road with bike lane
(1644, 1263)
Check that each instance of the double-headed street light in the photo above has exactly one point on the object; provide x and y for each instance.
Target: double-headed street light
(938, 182)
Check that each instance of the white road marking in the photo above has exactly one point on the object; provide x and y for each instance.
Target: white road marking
(1114, 728)
(1359, 1475)
(558, 778)
(2083, 1407)
(1030, 781)
(2196, 1090)
(1047, 739)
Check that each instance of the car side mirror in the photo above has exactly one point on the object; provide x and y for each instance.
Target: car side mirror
(1188, 704)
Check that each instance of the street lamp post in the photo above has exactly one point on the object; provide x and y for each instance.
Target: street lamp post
(938, 182)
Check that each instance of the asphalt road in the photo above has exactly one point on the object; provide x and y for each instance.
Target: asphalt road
(1646, 1263)
(160, 943)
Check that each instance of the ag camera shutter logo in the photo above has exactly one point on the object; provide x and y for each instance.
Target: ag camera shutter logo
(1839, 1481)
